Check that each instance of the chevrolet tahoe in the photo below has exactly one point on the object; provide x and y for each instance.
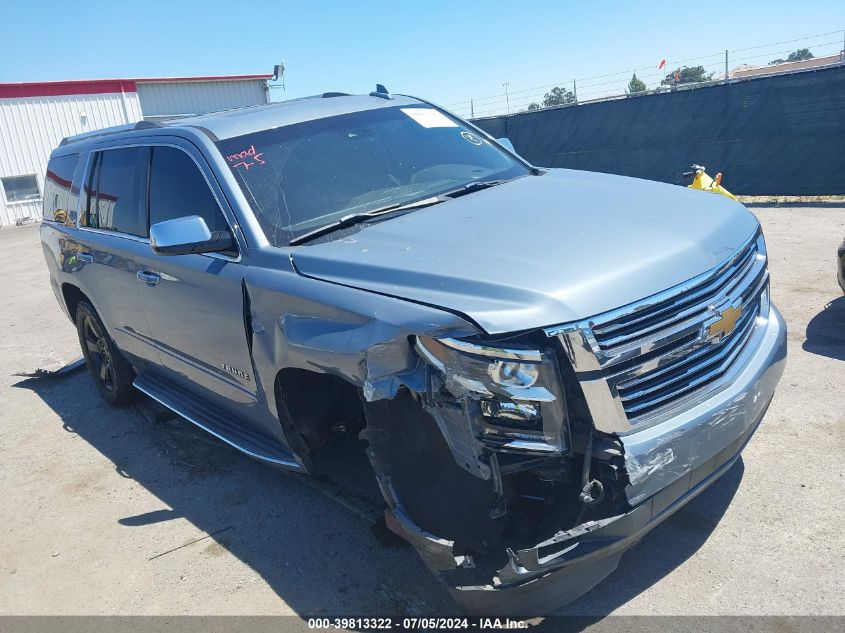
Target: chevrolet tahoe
(544, 363)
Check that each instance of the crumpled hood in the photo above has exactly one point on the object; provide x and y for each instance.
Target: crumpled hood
(539, 251)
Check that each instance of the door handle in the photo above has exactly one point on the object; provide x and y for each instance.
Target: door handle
(151, 279)
(85, 258)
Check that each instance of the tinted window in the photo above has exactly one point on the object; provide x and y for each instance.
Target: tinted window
(178, 189)
(299, 177)
(116, 191)
(57, 183)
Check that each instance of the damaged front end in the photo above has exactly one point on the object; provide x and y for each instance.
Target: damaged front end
(510, 490)
(494, 471)
(522, 466)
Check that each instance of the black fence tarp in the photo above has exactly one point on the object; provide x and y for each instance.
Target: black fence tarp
(779, 135)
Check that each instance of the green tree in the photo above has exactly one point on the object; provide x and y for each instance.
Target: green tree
(636, 85)
(795, 56)
(687, 75)
(533, 106)
(558, 96)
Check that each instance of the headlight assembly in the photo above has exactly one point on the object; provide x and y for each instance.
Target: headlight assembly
(487, 371)
(514, 393)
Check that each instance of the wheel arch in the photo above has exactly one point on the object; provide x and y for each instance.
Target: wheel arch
(72, 296)
(311, 403)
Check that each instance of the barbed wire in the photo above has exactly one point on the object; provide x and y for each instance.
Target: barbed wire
(495, 107)
(484, 106)
(651, 67)
(583, 91)
(536, 94)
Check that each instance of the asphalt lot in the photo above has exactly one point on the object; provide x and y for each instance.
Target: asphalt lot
(120, 511)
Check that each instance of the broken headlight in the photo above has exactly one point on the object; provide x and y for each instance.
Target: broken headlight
(514, 395)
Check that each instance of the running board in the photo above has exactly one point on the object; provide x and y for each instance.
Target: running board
(211, 420)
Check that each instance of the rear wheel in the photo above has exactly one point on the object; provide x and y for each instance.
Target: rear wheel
(112, 374)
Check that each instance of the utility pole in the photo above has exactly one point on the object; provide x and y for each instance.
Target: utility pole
(471, 109)
(575, 91)
(507, 97)
(726, 65)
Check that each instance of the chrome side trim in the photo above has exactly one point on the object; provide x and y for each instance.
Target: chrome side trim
(146, 240)
(223, 377)
(117, 234)
(264, 458)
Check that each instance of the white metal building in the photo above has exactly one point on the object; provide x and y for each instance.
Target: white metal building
(35, 117)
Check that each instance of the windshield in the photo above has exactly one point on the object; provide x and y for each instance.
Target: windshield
(304, 176)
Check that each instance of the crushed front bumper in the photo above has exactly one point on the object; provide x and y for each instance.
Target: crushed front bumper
(668, 465)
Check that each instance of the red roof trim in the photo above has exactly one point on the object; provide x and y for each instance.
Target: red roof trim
(159, 80)
(61, 88)
(103, 86)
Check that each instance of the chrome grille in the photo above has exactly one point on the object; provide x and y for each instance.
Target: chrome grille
(639, 363)
(651, 322)
(652, 389)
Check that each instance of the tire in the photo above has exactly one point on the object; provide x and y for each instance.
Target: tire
(111, 372)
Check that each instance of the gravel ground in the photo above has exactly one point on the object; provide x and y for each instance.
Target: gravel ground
(121, 511)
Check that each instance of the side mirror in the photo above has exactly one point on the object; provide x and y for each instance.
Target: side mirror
(506, 143)
(184, 236)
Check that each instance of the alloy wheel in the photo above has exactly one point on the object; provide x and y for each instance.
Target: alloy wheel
(99, 357)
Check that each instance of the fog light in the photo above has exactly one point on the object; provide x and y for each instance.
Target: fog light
(514, 411)
(509, 373)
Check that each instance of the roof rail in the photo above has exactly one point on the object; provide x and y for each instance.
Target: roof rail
(329, 95)
(144, 124)
(116, 129)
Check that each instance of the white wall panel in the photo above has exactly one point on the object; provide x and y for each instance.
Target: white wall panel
(198, 97)
(27, 209)
(31, 127)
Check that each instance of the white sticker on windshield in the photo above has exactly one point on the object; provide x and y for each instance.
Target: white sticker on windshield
(429, 117)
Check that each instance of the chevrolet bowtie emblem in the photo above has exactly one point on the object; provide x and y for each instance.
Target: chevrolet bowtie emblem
(725, 325)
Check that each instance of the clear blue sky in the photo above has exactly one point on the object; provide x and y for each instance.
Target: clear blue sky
(445, 51)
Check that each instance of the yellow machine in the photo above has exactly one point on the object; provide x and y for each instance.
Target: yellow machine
(704, 182)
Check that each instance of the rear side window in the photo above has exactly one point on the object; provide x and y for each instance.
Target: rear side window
(178, 189)
(57, 186)
(116, 189)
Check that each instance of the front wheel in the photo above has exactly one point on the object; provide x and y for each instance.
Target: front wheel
(112, 374)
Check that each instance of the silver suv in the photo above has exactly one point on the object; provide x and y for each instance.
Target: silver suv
(545, 363)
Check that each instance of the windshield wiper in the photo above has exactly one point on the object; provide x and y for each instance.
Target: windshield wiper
(357, 218)
(472, 187)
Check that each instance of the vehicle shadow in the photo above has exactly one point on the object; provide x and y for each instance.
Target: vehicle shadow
(826, 331)
(322, 554)
(318, 553)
